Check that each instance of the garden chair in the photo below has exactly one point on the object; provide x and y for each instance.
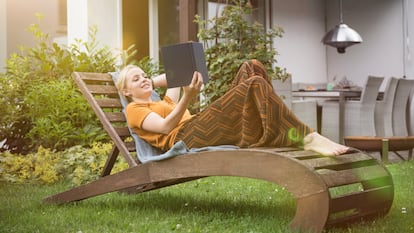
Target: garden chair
(401, 100)
(391, 123)
(324, 188)
(384, 109)
(305, 110)
(411, 113)
(359, 118)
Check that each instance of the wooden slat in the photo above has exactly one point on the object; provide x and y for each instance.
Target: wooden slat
(334, 178)
(102, 89)
(307, 154)
(109, 103)
(298, 154)
(364, 199)
(122, 131)
(115, 116)
(326, 162)
(131, 146)
(96, 77)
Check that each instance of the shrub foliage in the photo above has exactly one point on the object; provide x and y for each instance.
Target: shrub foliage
(231, 39)
(75, 165)
(48, 132)
(41, 105)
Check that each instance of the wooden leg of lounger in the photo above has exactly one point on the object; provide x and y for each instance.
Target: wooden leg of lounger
(311, 213)
(110, 161)
(384, 150)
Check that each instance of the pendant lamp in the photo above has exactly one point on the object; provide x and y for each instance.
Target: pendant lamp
(341, 36)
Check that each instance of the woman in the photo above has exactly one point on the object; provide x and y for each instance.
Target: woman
(250, 114)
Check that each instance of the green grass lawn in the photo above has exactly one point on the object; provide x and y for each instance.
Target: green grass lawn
(214, 204)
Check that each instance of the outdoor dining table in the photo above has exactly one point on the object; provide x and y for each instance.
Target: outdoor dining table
(340, 95)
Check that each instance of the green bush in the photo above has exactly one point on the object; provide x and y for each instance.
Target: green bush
(75, 165)
(64, 121)
(41, 105)
(231, 40)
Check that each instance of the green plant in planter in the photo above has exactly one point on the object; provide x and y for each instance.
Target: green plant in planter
(231, 40)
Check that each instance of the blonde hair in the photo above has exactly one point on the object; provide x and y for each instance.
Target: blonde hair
(121, 82)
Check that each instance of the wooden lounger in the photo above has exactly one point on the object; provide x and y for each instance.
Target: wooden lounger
(329, 191)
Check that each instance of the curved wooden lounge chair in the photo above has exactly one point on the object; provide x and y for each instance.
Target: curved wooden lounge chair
(328, 191)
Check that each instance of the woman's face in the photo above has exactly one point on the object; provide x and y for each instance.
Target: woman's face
(138, 86)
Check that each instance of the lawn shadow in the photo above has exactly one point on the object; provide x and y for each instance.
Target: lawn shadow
(186, 200)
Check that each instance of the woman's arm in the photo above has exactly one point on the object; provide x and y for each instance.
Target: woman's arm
(161, 81)
(155, 123)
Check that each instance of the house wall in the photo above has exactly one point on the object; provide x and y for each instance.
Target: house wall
(17, 15)
(380, 24)
(300, 49)
(3, 35)
(64, 23)
(409, 53)
(77, 21)
(106, 16)
(408, 40)
(21, 13)
(108, 19)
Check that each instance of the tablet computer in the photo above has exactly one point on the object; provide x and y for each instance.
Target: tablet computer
(181, 60)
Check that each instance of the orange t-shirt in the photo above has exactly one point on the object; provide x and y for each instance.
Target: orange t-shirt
(137, 112)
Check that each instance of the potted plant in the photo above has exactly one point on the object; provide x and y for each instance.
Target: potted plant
(231, 39)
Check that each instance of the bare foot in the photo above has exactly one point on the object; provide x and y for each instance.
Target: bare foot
(322, 145)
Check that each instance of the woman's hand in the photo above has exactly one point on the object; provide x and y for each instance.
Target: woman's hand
(155, 123)
(195, 85)
(190, 91)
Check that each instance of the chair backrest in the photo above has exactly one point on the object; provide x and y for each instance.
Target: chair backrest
(399, 117)
(383, 109)
(100, 92)
(102, 95)
(283, 88)
(370, 91)
(389, 92)
(411, 113)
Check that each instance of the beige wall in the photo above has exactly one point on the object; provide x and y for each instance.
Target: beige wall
(380, 25)
(108, 21)
(21, 13)
(300, 49)
(3, 29)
